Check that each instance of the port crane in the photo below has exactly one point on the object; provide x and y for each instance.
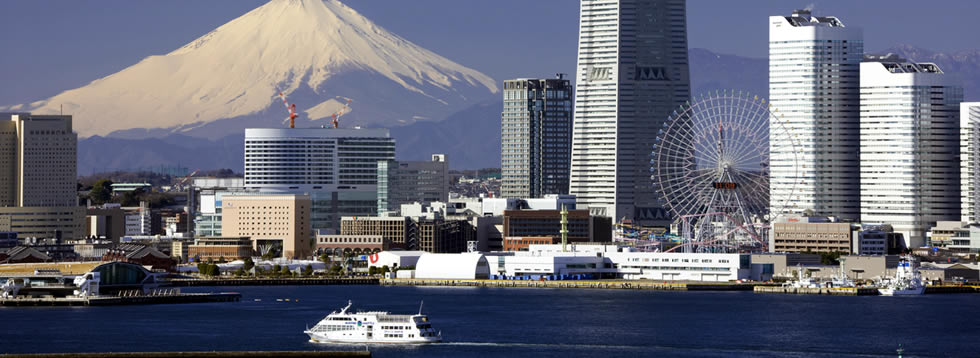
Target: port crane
(292, 111)
(180, 185)
(336, 116)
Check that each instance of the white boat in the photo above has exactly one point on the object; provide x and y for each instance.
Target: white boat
(373, 327)
(907, 280)
(802, 280)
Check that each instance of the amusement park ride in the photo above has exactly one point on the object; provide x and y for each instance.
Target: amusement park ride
(711, 166)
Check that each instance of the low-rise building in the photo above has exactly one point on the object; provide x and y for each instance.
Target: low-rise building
(784, 263)
(23, 255)
(341, 245)
(877, 239)
(795, 233)
(215, 248)
(277, 223)
(522, 243)
(143, 255)
(955, 236)
(106, 222)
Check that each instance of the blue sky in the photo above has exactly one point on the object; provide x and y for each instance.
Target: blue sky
(54, 45)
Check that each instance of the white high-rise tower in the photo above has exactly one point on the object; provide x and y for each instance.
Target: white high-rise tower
(969, 161)
(632, 73)
(813, 89)
(910, 168)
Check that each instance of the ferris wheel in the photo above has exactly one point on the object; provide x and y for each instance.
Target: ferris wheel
(711, 163)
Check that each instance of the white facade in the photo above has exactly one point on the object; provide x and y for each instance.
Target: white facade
(632, 72)
(813, 90)
(337, 167)
(969, 161)
(909, 146)
(466, 266)
(394, 259)
(670, 266)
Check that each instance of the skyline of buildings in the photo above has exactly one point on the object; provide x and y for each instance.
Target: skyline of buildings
(632, 72)
(904, 141)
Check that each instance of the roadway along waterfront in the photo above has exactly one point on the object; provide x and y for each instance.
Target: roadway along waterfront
(520, 322)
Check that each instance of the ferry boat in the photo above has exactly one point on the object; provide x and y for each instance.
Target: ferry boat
(373, 327)
(907, 280)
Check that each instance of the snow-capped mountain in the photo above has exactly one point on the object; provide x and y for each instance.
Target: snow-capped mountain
(317, 52)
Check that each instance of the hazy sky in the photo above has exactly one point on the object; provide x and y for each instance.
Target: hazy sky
(53, 45)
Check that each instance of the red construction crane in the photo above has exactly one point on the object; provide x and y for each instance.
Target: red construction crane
(292, 111)
(336, 116)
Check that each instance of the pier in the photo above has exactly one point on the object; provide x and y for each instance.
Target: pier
(270, 281)
(123, 300)
(833, 291)
(597, 284)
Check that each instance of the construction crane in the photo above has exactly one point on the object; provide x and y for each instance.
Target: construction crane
(180, 184)
(292, 111)
(336, 116)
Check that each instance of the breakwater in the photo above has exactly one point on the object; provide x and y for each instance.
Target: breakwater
(598, 284)
(270, 281)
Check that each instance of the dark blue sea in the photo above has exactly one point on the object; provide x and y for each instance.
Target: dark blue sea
(523, 322)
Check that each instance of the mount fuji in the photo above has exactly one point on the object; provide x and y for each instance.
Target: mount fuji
(318, 52)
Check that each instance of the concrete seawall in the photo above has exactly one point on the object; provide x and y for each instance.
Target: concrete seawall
(610, 284)
(287, 354)
(270, 281)
(834, 291)
(123, 300)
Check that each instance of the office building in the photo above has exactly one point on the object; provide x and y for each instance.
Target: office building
(793, 233)
(38, 197)
(582, 227)
(813, 89)
(632, 73)
(536, 137)
(910, 168)
(216, 248)
(336, 167)
(406, 182)
(969, 161)
(877, 239)
(277, 224)
(204, 203)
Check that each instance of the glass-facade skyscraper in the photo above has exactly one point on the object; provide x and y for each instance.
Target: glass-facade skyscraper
(536, 137)
(632, 73)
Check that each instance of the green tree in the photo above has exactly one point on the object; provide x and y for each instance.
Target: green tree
(308, 270)
(372, 270)
(101, 192)
(240, 272)
(325, 259)
(335, 270)
(385, 269)
(285, 271)
(249, 264)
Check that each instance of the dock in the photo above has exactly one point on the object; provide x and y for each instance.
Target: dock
(122, 300)
(833, 291)
(251, 354)
(190, 282)
(597, 284)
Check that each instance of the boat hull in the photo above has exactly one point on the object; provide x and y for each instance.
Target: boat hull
(318, 338)
(901, 292)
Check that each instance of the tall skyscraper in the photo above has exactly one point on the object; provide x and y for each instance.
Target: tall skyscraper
(632, 73)
(38, 193)
(337, 167)
(969, 162)
(910, 176)
(813, 87)
(536, 137)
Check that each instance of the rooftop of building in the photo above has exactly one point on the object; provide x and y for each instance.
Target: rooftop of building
(896, 64)
(804, 17)
(252, 133)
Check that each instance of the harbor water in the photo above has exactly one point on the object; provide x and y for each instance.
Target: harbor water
(527, 322)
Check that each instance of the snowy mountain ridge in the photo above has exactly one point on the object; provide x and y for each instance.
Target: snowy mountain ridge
(294, 46)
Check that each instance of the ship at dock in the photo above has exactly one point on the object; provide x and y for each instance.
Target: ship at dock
(907, 280)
